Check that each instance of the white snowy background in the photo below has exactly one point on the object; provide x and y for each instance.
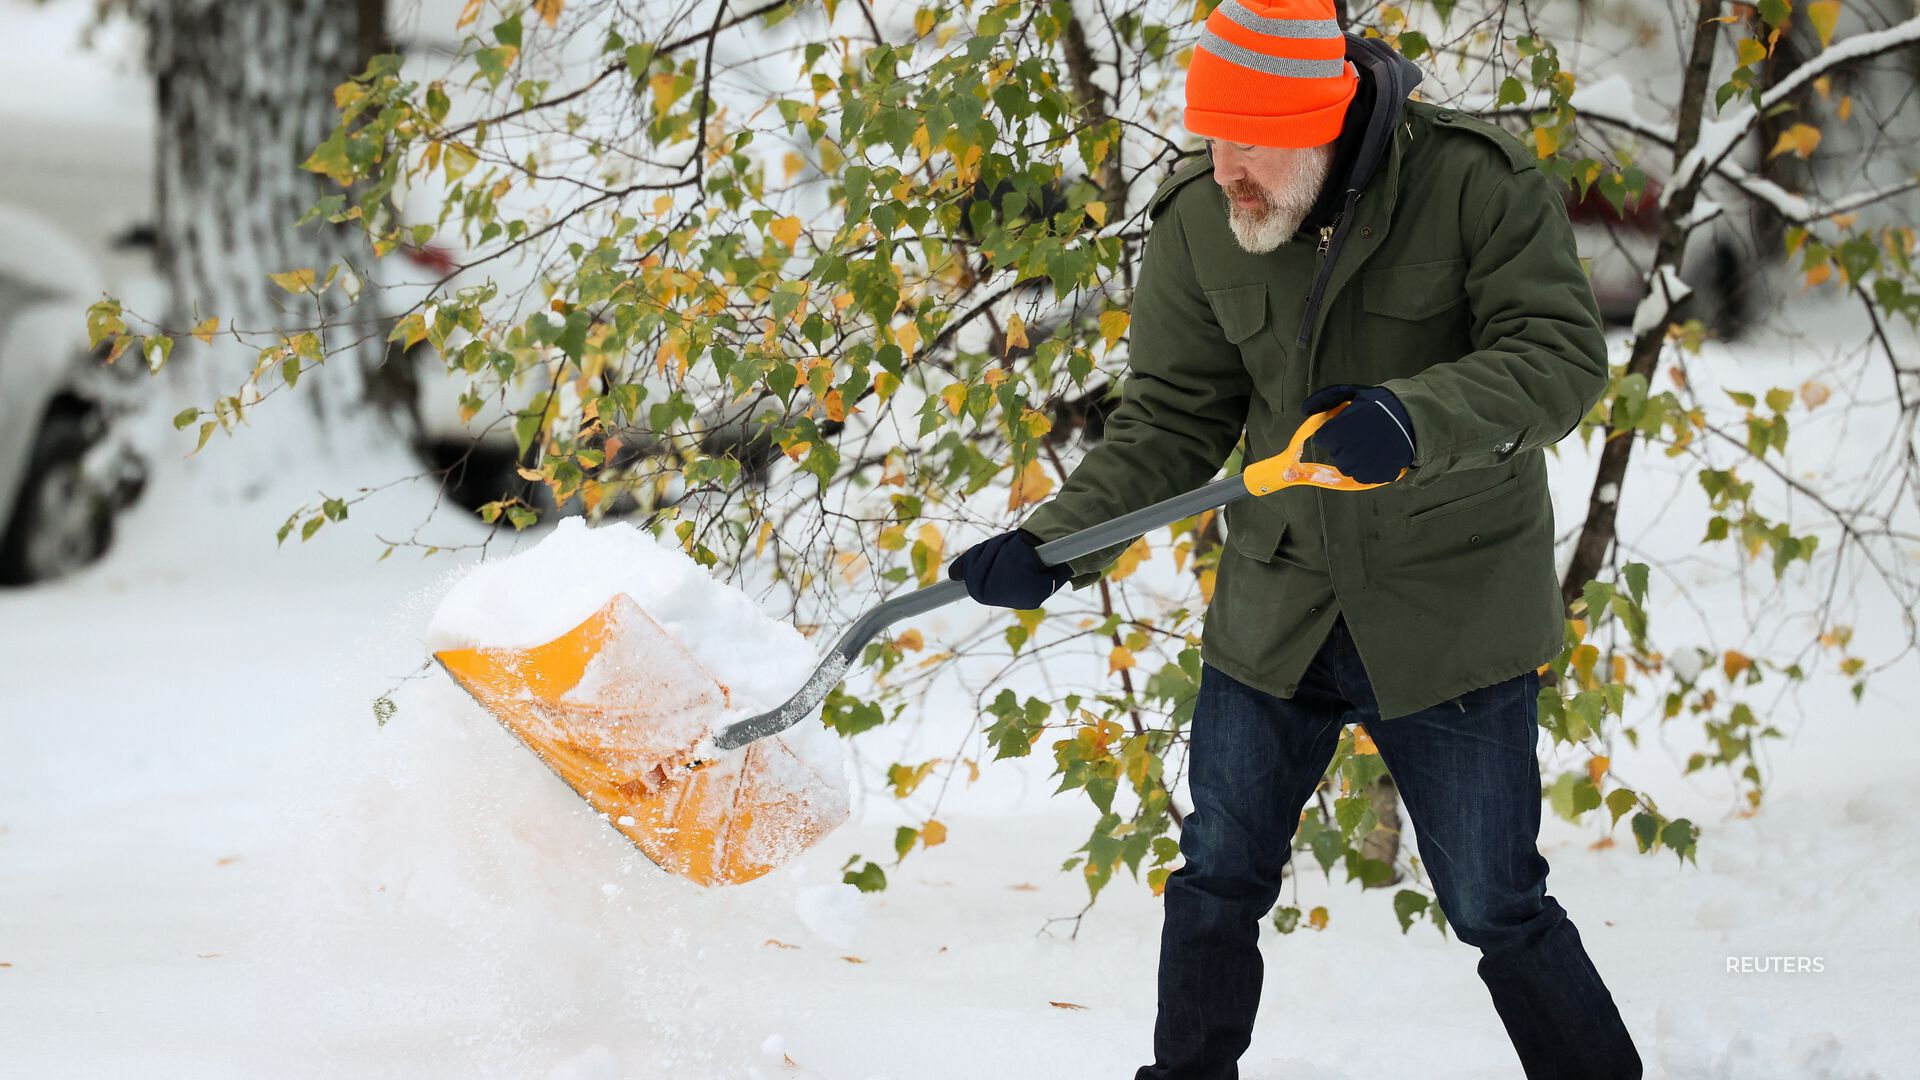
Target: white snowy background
(214, 863)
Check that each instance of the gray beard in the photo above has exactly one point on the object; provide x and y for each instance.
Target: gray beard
(1287, 207)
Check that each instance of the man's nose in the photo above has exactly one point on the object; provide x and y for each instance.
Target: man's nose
(1226, 169)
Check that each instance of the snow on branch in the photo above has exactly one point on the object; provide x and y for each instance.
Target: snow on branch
(1718, 137)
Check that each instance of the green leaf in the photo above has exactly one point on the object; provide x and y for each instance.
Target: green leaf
(1408, 905)
(1619, 801)
(869, 878)
(103, 322)
(185, 417)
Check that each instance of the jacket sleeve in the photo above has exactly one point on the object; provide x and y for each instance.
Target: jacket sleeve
(1539, 361)
(1182, 409)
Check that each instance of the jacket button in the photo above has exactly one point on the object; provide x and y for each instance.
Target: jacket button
(1366, 230)
(1474, 539)
(1313, 611)
(1444, 115)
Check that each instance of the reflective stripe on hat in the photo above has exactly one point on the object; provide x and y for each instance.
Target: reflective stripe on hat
(1293, 28)
(1272, 65)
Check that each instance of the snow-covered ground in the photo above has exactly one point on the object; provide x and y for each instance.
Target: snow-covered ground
(214, 862)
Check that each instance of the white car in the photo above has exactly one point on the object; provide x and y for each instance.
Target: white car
(62, 476)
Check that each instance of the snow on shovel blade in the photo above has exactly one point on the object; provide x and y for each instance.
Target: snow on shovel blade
(616, 708)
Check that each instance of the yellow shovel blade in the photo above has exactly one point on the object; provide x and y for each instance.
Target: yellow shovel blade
(613, 706)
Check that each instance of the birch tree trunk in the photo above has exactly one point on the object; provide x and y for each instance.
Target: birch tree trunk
(244, 92)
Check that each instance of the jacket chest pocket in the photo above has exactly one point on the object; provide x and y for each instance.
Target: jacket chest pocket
(1244, 314)
(1414, 315)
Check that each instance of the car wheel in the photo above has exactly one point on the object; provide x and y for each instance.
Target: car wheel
(62, 520)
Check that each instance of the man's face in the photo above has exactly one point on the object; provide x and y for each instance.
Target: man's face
(1268, 189)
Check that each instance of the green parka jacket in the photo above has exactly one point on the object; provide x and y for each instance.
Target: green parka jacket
(1451, 278)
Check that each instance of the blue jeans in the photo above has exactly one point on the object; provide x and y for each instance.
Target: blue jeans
(1469, 778)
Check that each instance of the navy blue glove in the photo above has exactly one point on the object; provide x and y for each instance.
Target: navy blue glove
(1372, 438)
(1005, 571)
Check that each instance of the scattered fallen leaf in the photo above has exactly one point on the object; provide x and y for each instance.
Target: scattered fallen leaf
(1024, 886)
(208, 955)
(1065, 1005)
(853, 960)
(229, 860)
(779, 944)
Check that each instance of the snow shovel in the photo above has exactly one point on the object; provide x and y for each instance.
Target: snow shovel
(621, 712)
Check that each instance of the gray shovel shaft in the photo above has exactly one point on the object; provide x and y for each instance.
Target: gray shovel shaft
(846, 651)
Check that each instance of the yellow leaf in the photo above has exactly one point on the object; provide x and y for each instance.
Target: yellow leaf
(1016, 333)
(1545, 142)
(793, 163)
(1206, 583)
(1585, 655)
(1814, 393)
(1734, 662)
(665, 89)
(205, 329)
(884, 384)
(1317, 918)
(955, 395)
(1749, 52)
(1120, 659)
(1113, 324)
(912, 640)
(548, 10)
(1597, 768)
(908, 338)
(1036, 422)
(1363, 742)
(1032, 485)
(468, 14)
(295, 281)
(760, 544)
(935, 547)
(836, 408)
(1819, 274)
(1800, 138)
(993, 377)
(1845, 109)
(785, 229)
(923, 21)
(1098, 212)
(661, 205)
(1823, 14)
(1129, 560)
(932, 833)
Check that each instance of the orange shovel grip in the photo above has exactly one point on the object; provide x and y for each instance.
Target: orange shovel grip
(1285, 469)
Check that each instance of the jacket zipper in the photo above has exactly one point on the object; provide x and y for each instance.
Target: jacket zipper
(1331, 239)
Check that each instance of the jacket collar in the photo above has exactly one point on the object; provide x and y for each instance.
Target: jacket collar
(1394, 77)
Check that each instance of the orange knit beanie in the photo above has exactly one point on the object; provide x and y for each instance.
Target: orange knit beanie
(1270, 73)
